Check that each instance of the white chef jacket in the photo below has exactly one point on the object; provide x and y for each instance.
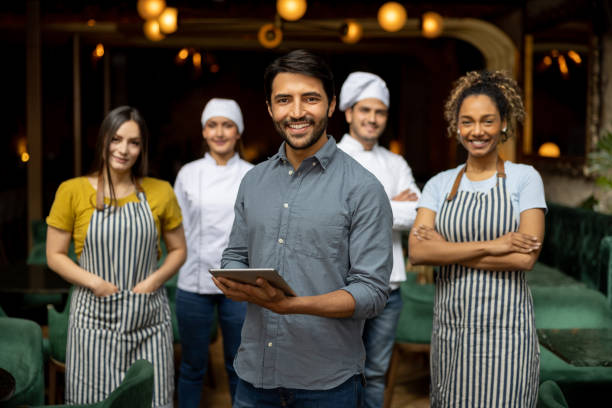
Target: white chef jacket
(396, 176)
(206, 193)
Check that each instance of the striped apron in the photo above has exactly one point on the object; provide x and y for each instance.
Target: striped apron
(106, 335)
(484, 347)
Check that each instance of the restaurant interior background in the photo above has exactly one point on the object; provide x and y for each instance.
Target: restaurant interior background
(66, 63)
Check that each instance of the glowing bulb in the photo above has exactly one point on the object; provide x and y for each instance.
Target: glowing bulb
(151, 30)
(291, 10)
(197, 60)
(183, 54)
(431, 26)
(25, 157)
(563, 66)
(150, 9)
(351, 32)
(167, 20)
(270, 36)
(392, 16)
(549, 149)
(99, 51)
(214, 68)
(91, 22)
(574, 57)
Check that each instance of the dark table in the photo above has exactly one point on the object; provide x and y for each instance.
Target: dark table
(7, 385)
(22, 278)
(579, 347)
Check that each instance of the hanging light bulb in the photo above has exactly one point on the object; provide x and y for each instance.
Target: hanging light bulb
(392, 16)
(563, 66)
(98, 52)
(151, 30)
(197, 60)
(574, 57)
(291, 10)
(270, 36)
(150, 9)
(351, 32)
(167, 20)
(431, 24)
(549, 149)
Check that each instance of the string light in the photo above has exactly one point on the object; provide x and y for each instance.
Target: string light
(392, 16)
(291, 10)
(270, 36)
(574, 57)
(351, 32)
(183, 54)
(151, 30)
(549, 149)
(197, 60)
(98, 52)
(150, 9)
(167, 20)
(431, 24)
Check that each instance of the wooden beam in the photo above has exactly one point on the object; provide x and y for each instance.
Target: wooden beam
(33, 113)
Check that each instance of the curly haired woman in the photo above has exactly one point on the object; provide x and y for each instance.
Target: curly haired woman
(483, 224)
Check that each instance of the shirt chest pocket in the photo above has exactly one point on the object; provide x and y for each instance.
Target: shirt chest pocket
(318, 239)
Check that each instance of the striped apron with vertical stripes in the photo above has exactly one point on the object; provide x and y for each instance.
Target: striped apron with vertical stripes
(106, 335)
(484, 347)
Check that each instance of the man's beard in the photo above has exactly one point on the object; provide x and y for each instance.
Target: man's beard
(317, 131)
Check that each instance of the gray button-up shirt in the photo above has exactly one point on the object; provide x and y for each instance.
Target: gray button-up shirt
(323, 227)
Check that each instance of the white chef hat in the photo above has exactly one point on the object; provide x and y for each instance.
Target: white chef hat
(362, 85)
(227, 108)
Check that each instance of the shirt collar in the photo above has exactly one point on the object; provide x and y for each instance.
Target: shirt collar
(208, 159)
(353, 144)
(324, 155)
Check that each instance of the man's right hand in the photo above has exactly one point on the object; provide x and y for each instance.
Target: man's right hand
(406, 195)
(102, 288)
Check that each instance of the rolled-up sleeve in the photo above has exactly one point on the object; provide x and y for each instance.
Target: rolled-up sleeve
(236, 255)
(370, 251)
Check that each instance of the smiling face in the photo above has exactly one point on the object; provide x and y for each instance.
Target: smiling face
(124, 148)
(221, 135)
(479, 125)
(367, 120)
(299, 109)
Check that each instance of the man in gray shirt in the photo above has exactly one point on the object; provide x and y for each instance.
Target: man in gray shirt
(324, 223)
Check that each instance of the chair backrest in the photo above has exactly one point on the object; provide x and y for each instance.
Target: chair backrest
(58, 329)
(551, 396)
(136, 389)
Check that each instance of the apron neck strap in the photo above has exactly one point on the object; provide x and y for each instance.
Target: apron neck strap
(100, 191)
(453, 193)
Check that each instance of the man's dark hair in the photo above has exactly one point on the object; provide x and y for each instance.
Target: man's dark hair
(300, 62)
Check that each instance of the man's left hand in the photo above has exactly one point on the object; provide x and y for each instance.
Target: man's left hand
(262, 294)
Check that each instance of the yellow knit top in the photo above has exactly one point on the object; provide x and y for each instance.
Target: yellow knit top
(75, 202)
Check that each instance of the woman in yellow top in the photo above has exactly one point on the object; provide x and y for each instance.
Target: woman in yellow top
(119, 311)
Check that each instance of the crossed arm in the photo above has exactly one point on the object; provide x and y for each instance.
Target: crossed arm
(514, 250)
(58, 242)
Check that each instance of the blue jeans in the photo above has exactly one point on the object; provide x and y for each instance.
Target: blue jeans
(347, 394)
(196, 316)
(378, 339)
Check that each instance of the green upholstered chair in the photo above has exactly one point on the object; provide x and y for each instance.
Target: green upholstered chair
(58, 338)
(135, 391)
(551, 396)
(21, 355)
(414, 326)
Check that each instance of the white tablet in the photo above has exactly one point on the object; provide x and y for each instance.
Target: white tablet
(250, 275)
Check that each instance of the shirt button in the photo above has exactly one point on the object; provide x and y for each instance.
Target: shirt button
(270, 344)
(291, 172)
(280, 241)
(314, 164)
(286, 205)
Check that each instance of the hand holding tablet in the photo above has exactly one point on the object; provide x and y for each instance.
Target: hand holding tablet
(250, 275)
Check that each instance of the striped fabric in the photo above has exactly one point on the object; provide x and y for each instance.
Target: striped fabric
(106, 335)
(484, 347)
